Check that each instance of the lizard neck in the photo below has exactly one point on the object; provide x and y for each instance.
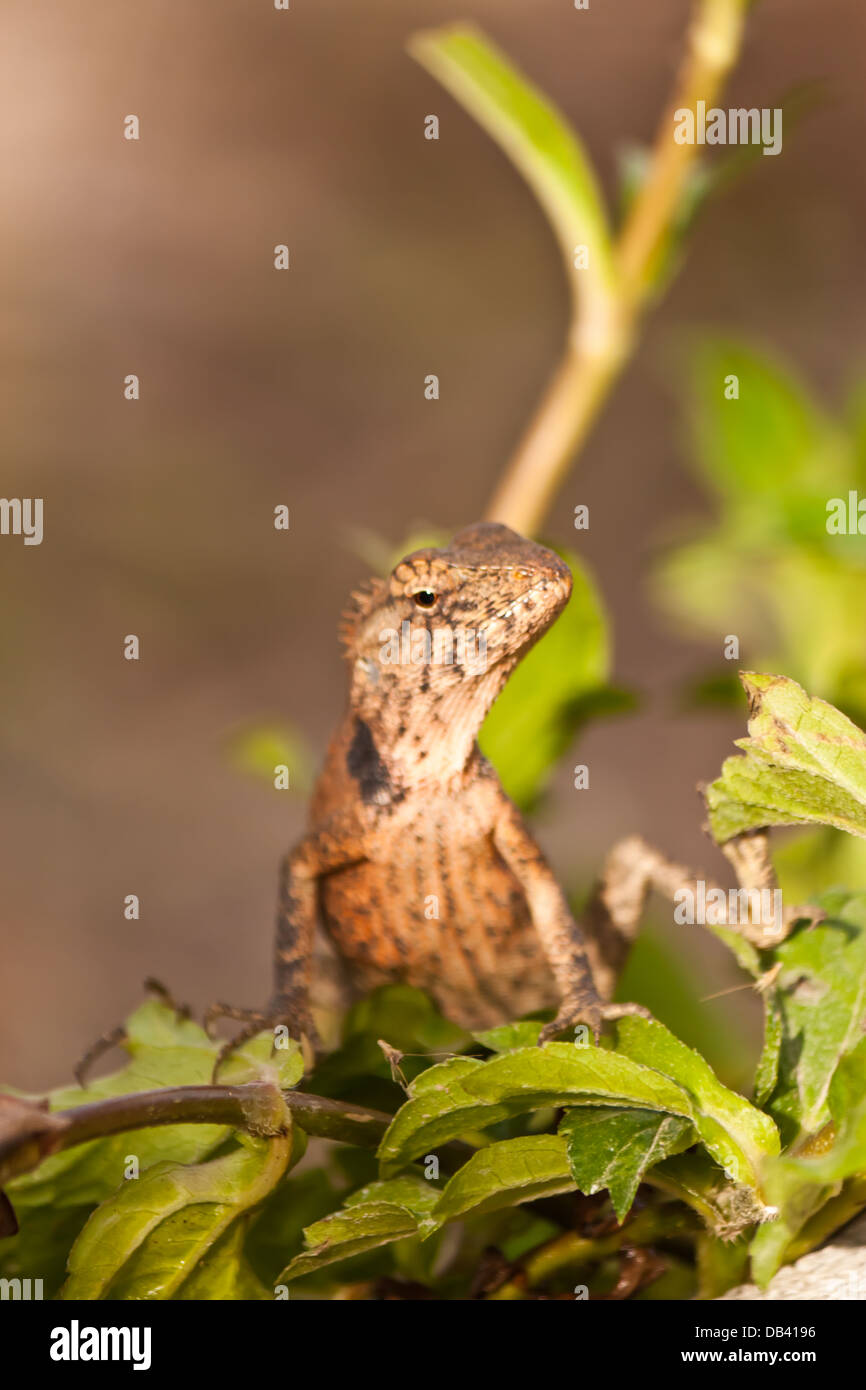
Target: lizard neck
(423, 734)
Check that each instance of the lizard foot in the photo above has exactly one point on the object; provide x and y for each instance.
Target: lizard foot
(107, 1040)
(585, 1007)
(117, 1035)
(298, 1021)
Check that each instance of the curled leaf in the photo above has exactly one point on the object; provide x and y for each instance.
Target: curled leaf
(804, 764)
(160, 1230)
(377, 1214)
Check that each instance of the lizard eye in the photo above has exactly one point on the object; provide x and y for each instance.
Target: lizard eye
(425, 598)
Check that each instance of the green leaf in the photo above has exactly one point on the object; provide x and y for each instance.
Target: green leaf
(465, 1094)
(671, 982)
(804, 763)
(417, 1194)
(507, 1173)
(277, 1226)
(767, 1070)
(343, 1235)
(224, 1274)
(769, 570)
(538, 141)
(376, 1215)
(260, 1060)
(406, 1018)
(738, 1136)
(817, 860)
(800, 1184)
(769, 446)
(165, 1050)
(158, 1230)
(799, 1199)
(557, 686)
(819, 998)
(609, 1148)
(509, 1036)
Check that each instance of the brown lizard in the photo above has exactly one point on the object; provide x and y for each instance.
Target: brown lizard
(417, 863)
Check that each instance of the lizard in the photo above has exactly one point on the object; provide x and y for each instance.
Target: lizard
(416, 862)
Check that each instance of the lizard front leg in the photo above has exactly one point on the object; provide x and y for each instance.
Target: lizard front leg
(335, 846)
(561, 938)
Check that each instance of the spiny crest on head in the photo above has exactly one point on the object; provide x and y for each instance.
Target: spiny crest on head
(413, 570)
(362, 602)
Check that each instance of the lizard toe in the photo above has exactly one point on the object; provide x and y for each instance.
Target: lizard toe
(299, 1023)
(580, 1009)
(612, 1011)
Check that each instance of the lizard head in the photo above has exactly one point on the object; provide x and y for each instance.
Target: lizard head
(489, 582)
(448, 625)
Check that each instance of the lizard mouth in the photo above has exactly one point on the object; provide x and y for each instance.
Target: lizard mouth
(556, 588)
(520, 622)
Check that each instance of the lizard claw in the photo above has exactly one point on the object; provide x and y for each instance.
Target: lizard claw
(585, 1007)
(103, 1044)
(298, 1021)
(580, 1007)
(117, 1035)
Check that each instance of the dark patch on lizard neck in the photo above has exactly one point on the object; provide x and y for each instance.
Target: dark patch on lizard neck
(367, 767)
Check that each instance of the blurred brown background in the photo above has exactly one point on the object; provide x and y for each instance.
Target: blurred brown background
(408, 257)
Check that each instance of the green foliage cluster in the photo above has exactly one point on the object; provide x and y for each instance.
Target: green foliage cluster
(767, 567)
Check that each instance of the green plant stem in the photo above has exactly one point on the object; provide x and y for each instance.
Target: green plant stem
(561, 423)
(712, 48)
(598, 346)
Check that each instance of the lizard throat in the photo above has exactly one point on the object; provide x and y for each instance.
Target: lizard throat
(429, 738)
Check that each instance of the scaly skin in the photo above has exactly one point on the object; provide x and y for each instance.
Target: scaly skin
(418, 865)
